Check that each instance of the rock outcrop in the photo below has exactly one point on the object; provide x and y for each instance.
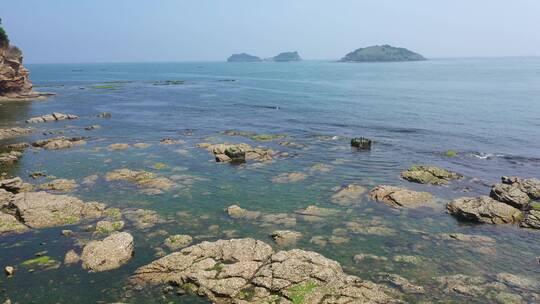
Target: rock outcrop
(237, 152)
(59, 143)
(249, 271)
(14, 77)
(516, 191)
(110, 253)
(243, 57)
(382, 53)
(52, 117)
(484, 209)
(14, 132)
(429, 175)
(401, 197)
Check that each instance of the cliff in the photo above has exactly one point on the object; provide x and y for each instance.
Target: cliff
(243, 58)
(382, 53)
(14, 77)
(287, 56)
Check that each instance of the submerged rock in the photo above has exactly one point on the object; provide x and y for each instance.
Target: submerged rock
(484, 209)
(110, 253)
(178, 241)
(516, 191)
(292, 177)
(238, 212)
(315, 214)
(249, 271)
(71, 257)
(52, 117)
(141, 178)
(349, 195)
(403, 284)
(142, 218)
(61, 184)
(429, 175)
(118, 147)
(286, 237)
(401, 197)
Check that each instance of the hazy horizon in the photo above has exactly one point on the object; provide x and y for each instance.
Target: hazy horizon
(140, 31)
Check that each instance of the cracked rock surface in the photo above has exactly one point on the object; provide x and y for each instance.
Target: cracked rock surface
(249, 271)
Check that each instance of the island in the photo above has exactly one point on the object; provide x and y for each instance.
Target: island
(14, 77)
(382, 53)
(243, 57)
(286, 57)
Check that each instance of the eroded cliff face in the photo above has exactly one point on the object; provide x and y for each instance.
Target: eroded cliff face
(14, 77)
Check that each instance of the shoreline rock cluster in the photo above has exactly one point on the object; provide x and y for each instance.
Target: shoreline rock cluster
(514, 200)
(56, 116)
(238, 152)
(250, 271)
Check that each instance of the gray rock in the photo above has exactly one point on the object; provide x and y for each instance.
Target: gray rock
(41, 209)
(226, 271)
(110, 253)
(484, 209)
(516, 191)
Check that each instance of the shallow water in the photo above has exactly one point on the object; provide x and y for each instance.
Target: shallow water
(485, 109)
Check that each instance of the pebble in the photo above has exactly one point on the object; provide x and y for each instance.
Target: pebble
(9, 270)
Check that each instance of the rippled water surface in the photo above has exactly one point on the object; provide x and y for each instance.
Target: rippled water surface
(487, 110)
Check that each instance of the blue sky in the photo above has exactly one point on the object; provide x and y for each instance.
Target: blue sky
(177, 30)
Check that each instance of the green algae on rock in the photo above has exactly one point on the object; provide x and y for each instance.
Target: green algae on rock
(429, 175)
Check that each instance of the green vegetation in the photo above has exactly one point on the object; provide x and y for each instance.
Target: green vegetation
(190, 287)
(4, 39)
(113, 212)
(43, 261)
(535, 206)
(450, 153)
(299, 292)
(217, 267)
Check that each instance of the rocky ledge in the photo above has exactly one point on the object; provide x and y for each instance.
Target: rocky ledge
(249, 271)
(21, 209)
(238, 152)
(14, 77)
(514, 200)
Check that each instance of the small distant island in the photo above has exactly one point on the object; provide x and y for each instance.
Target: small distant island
(382, 53)
(287, 56)
(243, 57)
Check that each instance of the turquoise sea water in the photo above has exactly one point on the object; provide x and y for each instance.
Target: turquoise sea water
(487, 110)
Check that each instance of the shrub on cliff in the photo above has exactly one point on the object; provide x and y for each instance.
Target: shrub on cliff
(4, 40)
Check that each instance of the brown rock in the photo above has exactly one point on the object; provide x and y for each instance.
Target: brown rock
(401, 197)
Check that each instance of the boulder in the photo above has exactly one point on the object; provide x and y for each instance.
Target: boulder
(516, 191)
(361, 143)
(9, 158)
(13, 185)
(531, 219)
(41, 209)
(106, 227)
(236, 150)
(110, 253)
(401, 197)
(71, 257)
(484, 209)
(249, 271)
(429, 175)
(238, 212)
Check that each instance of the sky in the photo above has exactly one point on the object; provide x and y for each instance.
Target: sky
(63, 31)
